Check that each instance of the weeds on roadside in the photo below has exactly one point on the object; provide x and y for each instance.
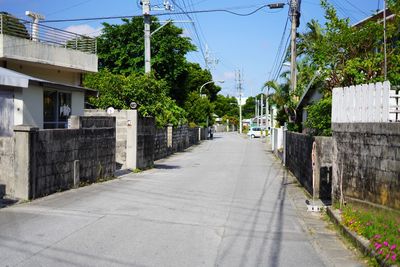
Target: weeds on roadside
(380, 227)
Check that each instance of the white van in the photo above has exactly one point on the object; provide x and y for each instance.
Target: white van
(254, 132)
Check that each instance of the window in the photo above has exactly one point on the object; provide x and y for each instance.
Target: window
(56, 110)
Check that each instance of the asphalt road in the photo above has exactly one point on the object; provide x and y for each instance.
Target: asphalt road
(222, 203)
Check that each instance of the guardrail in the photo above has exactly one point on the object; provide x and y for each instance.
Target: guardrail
(12, 26)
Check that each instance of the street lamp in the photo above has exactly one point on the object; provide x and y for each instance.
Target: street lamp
(201, 87)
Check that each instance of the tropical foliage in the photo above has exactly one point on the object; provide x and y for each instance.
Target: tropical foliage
(118, 91)
(171, 93)
(337, 54)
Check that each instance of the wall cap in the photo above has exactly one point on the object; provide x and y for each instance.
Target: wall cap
(25, 128)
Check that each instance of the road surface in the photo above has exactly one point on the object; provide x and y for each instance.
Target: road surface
(222, 203)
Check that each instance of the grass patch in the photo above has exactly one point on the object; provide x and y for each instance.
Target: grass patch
(381, 227)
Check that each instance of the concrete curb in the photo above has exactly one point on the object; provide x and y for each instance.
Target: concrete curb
(361, 243)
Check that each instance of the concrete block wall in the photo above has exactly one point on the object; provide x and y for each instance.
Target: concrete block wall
(299, 158)
(6, 164)
(322, 156)
(179, 140)
(161, 149)
(123, 123)
(55, 152)
(193, 136)
(203, 133)
(146, 130)
(367, 161)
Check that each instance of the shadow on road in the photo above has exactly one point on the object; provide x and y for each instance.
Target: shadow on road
(272, 233)
(166, 167)
(7, 202)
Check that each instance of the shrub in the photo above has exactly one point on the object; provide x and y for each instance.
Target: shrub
(318, 119)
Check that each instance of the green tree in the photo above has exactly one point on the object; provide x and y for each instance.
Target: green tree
(121, 49)
(190, 80)
(318, 120)
(226, 106)
(199, 109)
(118, 91)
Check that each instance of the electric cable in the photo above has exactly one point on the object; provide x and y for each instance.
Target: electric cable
(161, 14)
(274, 65)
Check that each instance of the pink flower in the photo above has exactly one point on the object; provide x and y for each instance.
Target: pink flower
(386, 243)
(392, 247)
(378, 236)
(378, 246)
(380, 252)
(394, 257)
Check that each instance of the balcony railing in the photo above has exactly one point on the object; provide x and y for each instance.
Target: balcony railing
(12, 26)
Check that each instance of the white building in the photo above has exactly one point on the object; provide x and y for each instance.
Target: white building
(41, 72)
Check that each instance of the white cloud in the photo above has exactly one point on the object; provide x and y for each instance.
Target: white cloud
(85, 29)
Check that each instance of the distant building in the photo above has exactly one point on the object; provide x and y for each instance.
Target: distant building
(41, 72)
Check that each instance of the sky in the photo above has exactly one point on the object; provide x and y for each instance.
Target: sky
(246, 43)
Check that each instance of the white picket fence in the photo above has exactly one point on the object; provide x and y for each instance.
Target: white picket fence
(365, 103)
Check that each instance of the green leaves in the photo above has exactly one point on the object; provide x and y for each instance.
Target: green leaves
(199, 109)
(118, 91)
(319, 117)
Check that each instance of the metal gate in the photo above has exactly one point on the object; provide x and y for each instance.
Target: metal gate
(6, 113)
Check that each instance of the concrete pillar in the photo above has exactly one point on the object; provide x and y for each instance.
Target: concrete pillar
(77, 177)
(25, 161)
(74, 122)
(131, 139)
(169, 135)
(199, 134)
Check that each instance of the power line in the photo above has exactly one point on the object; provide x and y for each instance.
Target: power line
(67, 8)
(195, 30)
(342, 10)
(350, 3)
(282, 58)
(275, 66)
(163, 14)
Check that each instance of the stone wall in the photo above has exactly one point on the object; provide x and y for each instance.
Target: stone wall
(307, 157)
(367, 160)
(123, 123)
(47, 161)
(161, 149)
(299, 159)
(322, 156)
(184, 137)
(145, 142)
(60, 157)
(180, 138)
(193, 136)
(6, 163)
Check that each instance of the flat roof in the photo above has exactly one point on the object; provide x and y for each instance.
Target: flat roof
(16, 79)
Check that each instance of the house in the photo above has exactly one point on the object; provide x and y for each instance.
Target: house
(312, 92)
(41, 70)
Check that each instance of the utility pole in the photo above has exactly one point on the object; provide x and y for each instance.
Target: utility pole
(262, 108)
(295, 17)
(384, 40)
(147, 44)
(255, 109)
(211, 61)
(239, 88)
(267, 124)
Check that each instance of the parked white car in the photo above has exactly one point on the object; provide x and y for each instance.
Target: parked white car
(255, 132)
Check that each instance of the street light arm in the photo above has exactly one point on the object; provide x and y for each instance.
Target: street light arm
(201, 87)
